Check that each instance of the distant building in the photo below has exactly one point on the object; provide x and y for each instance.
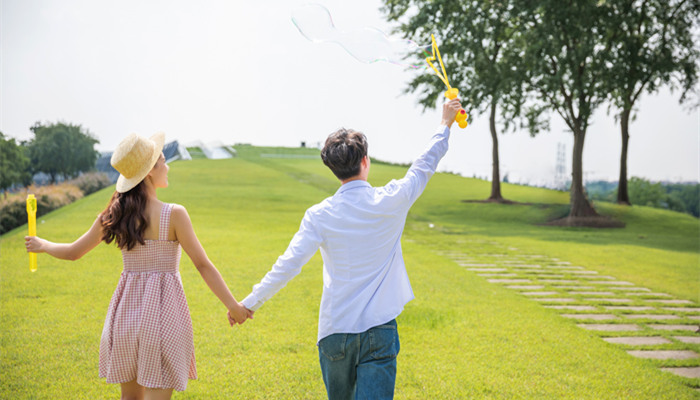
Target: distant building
(214, 150)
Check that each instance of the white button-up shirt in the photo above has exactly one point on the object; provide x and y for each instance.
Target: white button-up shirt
(359, 232)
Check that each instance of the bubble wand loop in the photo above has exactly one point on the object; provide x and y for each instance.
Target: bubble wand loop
(451, 92)
(31, 223)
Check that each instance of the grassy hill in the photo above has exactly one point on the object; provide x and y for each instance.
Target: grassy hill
(462, 337)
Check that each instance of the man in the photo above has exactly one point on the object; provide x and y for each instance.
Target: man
(365, 284)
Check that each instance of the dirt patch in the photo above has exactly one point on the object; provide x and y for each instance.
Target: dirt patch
(599, 221)
(501, 201)
(589, 222)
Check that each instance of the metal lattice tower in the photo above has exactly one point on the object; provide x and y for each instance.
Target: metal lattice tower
(560, 170)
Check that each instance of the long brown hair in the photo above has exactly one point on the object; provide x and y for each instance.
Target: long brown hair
(124, 220)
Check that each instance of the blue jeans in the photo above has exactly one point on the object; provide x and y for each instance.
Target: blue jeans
(360, 365)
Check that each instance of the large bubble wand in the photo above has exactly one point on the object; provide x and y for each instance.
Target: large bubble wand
(451, 92)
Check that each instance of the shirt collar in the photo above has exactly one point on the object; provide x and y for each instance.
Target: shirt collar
(353, 185)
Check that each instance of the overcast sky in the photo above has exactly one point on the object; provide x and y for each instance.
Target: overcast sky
(240, 72)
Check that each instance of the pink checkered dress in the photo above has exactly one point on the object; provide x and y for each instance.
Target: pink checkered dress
(147, 334)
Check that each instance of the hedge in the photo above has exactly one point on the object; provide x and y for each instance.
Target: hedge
(13, 209)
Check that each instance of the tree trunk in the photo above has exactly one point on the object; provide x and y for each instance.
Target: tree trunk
(580, 207)
(495, 173)
(622, 194)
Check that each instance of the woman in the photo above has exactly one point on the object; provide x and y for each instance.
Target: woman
(147, 342)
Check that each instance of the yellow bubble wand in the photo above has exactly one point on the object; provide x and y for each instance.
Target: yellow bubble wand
(31, 223)
(451, 92)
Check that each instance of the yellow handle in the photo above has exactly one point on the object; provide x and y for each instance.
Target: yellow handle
(461, 117)
(31, 224)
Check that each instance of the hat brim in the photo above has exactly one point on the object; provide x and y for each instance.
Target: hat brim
(126, 184)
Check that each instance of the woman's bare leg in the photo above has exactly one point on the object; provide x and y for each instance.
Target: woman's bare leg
(158, 394)
(132, 391)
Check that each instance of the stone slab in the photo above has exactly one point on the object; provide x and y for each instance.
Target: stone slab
(612, 283)
(539, 293)
(517, 262)
(583, 272)
(525, 287)
(608, 300)
(577, 308)
(688, 339)
(557, 281)
(650, 294)
(688, 372)
(638, 340)
(630, 289)
(683, 309)
(487, 269)
(509, 281)
(670, 301)
(596, 317)
(673, 327)
(555, 300)
(651, 316)
(592, 293)
(629, 308)
(664, 354)
(498, 275)
(606, 277)
(610, 327)
(694, 317)
(525, 266)
(541, 275)
(463, 264)
(574, 287)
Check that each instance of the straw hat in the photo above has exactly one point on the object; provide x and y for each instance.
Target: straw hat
(135, 157)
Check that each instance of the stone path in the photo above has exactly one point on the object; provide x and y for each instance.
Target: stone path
(645, 323)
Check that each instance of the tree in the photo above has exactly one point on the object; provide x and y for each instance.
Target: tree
(477, 40)
(566, 61)
(13, 163)
(646, 193)
(653, 45)
(61, 149)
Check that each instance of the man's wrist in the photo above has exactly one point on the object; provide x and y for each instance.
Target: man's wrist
(250, 303)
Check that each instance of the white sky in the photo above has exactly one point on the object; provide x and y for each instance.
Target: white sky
(240, 72)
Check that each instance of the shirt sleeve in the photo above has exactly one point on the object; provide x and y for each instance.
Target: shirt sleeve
(424, 166)
(303, 246)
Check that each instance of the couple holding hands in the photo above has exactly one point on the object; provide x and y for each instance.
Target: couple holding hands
(147, 342)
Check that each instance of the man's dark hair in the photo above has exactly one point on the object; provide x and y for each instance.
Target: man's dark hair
(344, 151)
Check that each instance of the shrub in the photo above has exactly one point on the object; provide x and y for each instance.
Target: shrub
(13, 210)
(91, 182)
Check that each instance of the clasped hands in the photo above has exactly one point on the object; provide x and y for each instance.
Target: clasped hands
(239, 314)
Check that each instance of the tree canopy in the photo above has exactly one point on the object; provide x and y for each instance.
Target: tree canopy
(653, 46)
(13, 163)
(479, 41)
(61, 150)
(562, 57)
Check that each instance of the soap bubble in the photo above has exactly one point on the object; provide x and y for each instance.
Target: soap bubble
(365, 44)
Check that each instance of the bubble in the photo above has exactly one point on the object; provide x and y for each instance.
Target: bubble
(365, 44)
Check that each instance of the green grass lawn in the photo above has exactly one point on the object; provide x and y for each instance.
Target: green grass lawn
(460, 338)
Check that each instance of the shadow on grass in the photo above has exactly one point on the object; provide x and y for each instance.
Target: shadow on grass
(600, 221)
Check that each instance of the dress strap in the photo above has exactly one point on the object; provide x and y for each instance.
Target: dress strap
(164, 221)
